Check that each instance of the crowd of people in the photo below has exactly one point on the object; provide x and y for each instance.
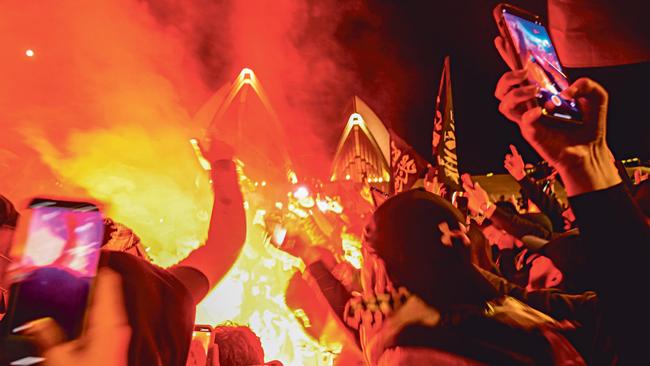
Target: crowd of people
(542, 283)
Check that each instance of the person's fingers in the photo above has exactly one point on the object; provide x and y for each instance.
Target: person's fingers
(516, 102)
(467, 188)
(586, 88)
(513, 114)
(508, 81)
(467, 181)
(502, 48)
(520, 94)
(514, 150)
(45, 332)
(64, 354)
(109, 332)
(107, 309)
(478, 187)
(531, 116)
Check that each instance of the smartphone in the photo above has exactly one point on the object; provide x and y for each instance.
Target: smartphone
(55, 257)
(460, 202)
(528, 38)
(203, 334)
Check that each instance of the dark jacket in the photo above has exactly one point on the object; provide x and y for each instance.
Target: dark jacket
(618, 249)
(590, 337)
(518, 225)
(159, 308)
(547, 204)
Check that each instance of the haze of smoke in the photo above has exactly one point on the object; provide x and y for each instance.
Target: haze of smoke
(104, 108)
(101, 103)
(291, 45)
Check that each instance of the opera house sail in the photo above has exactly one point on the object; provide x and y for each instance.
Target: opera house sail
(363, 152)
(241, 114)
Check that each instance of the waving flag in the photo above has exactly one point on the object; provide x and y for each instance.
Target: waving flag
(444, 134)
(406, 164)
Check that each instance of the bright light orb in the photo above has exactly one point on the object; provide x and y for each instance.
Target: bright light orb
(29, 52)
(301, 192)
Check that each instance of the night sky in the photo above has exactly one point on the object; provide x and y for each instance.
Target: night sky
(398, 49)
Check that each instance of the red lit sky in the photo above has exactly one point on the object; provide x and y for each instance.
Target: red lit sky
(108, 69)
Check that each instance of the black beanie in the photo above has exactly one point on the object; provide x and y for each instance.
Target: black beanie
(405, 233)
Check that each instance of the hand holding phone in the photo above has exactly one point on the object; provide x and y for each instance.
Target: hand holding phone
(105, 343)
(526, 45)
(202, 343)
(55, 262)
(579, 153)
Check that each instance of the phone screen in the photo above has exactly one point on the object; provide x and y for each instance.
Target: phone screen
(202, 336)
(199, 354)
(535, 50)
(52, 275)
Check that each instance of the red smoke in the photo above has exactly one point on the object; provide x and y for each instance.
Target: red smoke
(105, 105)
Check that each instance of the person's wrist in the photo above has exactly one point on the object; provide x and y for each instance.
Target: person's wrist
(310, 255)
(591, 171)
(519, 175)
(487, 209)
(222, 164)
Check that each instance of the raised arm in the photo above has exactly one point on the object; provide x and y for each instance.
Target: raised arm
(514, 163)
(577, 307)
(547, 204)
(478, 201)
(614, 228)
(207, 265)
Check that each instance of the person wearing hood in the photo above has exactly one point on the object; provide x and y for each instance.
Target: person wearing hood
(423, 301)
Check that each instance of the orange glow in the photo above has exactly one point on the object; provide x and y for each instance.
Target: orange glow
(109, 108)
(253, 292)
(301, 192)
(205, 164)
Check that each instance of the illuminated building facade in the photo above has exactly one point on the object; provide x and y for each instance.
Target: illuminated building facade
(242, 115)
(363, 152)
